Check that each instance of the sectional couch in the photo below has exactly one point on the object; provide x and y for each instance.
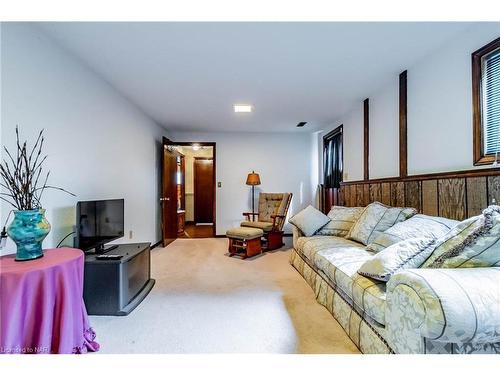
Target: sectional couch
(421, 310)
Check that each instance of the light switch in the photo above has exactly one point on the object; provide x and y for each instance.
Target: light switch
(219, 184)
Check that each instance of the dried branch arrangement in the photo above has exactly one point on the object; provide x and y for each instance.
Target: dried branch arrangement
(23, 175)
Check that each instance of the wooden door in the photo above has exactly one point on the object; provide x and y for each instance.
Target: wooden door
(203, 190)
(168, 199)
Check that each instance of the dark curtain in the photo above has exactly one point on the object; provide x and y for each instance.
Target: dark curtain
(332, 160)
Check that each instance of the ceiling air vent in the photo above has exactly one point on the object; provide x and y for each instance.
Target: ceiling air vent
(301, 124)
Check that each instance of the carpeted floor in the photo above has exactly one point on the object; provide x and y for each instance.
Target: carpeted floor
(206, 302)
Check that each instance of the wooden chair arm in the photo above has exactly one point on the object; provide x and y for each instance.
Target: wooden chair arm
(277, 223)
(280, 216)
(248, 214)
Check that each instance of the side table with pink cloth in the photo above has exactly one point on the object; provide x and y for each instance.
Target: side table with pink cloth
(41, 304)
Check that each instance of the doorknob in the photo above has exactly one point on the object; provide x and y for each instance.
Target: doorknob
(164, 199)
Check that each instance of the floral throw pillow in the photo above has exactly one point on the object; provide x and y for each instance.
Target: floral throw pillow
(406, 254)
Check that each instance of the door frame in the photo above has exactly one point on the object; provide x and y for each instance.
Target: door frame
(164, 240)
(194, 184)
(214, 179)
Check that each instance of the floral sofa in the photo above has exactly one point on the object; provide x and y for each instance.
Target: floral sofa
(418, 310)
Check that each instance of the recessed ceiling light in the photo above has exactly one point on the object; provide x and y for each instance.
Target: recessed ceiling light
(243, 108)
(301, 124)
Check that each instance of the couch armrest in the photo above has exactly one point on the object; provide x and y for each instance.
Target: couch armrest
(459, 305)
(296, 234)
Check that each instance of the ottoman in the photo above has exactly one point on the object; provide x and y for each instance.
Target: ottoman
(244, 241)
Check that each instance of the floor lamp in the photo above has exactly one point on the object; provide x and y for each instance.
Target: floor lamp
(253, 179)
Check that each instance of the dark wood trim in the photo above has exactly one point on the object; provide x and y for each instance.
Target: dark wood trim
(156, 244)
(366, 137)
(431, 176)
(338, 130)
(334, 132)
(214, 155)
(403, 125)
(477, 124)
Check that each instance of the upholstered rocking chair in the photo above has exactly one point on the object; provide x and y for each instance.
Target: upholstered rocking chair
(270, 217)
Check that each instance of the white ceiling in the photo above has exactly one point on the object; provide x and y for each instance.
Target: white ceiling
(187, 76)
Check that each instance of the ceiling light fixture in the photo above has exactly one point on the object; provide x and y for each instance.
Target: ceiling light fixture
(242, 108)
(196, 146)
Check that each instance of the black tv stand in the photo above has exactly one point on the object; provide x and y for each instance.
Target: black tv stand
(117, 286)
(103, 250)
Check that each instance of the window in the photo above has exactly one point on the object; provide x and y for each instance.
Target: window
(332, 158)
(486, 102)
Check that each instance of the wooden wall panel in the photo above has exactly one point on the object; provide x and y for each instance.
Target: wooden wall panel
(366, 195)
(456, 195)
(412, 195)
(477, 199)
(352, 195)
(344, 198)
(397, 194)
(452, 201)
(430, 198)
(494, 189)
(375, 192)
(341, 196)
(385, 193)
(360, 195)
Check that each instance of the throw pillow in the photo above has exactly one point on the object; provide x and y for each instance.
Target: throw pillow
(341, 221)
(474, 242)
(375, 219)
(406, 254)
(417, 226)
(309, 220)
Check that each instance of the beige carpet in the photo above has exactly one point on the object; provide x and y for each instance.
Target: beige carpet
(206, 302)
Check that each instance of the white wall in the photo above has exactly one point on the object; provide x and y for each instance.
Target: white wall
(99, 144)
(282, 160)
(439, 114)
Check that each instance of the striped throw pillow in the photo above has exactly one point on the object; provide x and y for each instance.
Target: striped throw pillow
(375, 219)
(418, 226)
(342, 219)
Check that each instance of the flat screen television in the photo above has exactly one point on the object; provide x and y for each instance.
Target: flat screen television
(98, 222)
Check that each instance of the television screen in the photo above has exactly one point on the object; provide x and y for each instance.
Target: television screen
(98, 222)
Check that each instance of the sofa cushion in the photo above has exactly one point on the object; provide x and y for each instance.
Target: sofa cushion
(340, 266)
(418, 226)
(474, 242)
(375, 219)
(309, 220)
(244, 233)
(410, 253)
(342, 219)
(309, 246)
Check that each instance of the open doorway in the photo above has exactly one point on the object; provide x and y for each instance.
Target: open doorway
(189, 181)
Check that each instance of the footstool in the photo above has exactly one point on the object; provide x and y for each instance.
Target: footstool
(244, 241)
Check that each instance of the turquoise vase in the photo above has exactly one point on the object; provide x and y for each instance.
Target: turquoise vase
(28, 230)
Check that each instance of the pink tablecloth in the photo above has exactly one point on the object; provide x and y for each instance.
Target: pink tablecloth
(41, 304)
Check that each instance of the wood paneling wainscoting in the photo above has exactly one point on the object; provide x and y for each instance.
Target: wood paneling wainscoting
(328, 197)
(455, 195)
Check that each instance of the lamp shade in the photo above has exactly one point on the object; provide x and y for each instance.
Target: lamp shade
(253, 179)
